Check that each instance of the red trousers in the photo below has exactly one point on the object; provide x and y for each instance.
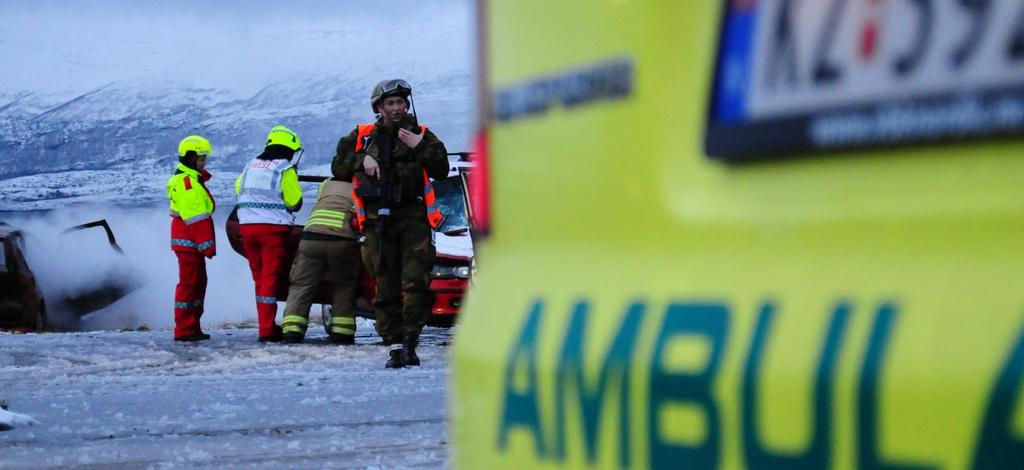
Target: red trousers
(268, 259)
(190, 293)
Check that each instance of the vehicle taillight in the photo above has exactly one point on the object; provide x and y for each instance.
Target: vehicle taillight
(479, 182)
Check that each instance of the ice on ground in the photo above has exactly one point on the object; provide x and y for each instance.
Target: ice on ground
(138, 399)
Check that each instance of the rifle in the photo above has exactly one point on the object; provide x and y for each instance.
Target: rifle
(386, 197)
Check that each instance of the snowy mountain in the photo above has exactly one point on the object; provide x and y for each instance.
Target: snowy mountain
(95, 116)
(120, 140)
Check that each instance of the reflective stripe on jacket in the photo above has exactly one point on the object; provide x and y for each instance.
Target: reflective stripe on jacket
(191, 207)
(333, 210)
(268, 191)
(434, 216)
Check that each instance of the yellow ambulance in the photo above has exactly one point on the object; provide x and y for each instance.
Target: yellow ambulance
(747, 234)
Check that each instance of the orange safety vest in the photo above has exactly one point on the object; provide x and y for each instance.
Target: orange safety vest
(434, 216)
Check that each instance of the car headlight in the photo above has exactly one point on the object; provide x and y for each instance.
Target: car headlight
(440, 272)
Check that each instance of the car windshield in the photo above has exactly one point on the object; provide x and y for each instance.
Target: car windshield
(452, 203)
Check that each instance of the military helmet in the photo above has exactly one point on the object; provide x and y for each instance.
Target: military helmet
(281, 135)
(387, 88)
(194, 143)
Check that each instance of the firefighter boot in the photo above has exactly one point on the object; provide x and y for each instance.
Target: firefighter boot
(409, 351)
(293, 337)
(395, 359)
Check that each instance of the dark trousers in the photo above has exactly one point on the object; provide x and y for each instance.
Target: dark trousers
(408, 251)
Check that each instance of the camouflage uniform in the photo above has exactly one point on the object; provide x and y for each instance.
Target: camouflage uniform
(408, 247)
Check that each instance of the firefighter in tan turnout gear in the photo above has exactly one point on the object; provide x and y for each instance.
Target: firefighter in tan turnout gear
(328, 243)
(393, 161)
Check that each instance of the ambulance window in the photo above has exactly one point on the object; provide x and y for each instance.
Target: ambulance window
(797, 77)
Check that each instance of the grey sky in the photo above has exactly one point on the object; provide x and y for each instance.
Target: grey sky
(68, 47)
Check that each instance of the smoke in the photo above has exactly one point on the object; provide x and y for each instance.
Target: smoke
(77, 263)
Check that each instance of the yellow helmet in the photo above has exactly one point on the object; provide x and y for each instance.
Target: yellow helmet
(194, 143)
(281, 135)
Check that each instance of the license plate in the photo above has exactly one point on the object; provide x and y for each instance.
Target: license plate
(805, 75)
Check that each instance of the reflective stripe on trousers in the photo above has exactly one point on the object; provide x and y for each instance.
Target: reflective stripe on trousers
(294, 324)
(343, 325)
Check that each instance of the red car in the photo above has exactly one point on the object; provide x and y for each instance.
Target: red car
(452, 266)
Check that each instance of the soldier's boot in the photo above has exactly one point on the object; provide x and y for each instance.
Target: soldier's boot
(409, 350)
(395, 359)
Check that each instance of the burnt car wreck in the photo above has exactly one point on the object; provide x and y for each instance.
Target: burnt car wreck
(23, 307)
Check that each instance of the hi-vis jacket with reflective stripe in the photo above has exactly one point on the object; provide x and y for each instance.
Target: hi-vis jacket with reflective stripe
(333, 210)
(268, 192)
(364, 138)
(192, 208)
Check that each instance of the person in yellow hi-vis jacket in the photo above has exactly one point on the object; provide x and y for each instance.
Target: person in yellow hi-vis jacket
(268, 196)
(328, 242)
(192, 236)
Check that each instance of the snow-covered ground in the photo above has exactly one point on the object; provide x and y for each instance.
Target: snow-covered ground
(139, 400)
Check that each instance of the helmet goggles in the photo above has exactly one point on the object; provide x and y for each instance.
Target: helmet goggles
(396, 85)
(387, 88)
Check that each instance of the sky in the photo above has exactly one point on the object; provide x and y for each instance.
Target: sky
(68, 48)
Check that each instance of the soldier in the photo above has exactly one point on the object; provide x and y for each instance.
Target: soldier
(268, 196)
(328, 241)
(192, 236)
(393, 160)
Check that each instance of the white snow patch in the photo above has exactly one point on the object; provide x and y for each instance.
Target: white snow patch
(9, 420)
